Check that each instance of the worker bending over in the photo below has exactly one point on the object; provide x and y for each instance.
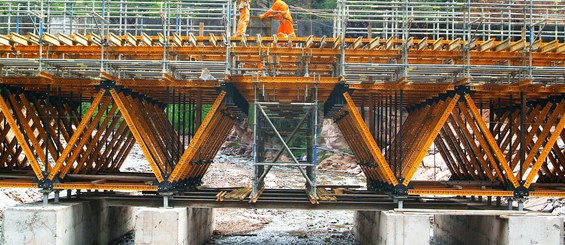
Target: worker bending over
(244, 16)
(280, 11)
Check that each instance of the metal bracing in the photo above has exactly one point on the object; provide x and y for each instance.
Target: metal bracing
(296, 134)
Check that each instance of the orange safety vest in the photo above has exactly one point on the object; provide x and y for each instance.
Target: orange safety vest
(280, 11)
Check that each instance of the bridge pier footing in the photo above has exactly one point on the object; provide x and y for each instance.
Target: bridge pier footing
(503, 229)
(387, 227)
(463, 227)
(173, 225)
(71, 222)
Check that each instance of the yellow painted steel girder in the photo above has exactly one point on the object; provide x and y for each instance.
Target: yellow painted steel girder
(118, 100)
(77, 133)
(374, 149)
(492, 143)
(189, 153)
(459, 192)
(545, 151)
(105, 186)
(428, 139)
(20, 137)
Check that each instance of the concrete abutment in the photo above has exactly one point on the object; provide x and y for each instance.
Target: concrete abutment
(92, 221)
(74, 222)
(457, 227)
(173, 225)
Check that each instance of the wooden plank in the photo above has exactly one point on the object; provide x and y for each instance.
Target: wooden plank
(502, 46)
(33, 38)
(192, 40)
(518, 46)
(374, 43)
(131, 40)
(95, 39)
(80, 39)
(536, 45)
(437, 44)
(473, 43)
(423, 44)
(560, 49)
(4, 40)
(549, 47)
(454, 45)
(146, 40)
(337, 42)
(357, 43)
(50, 39)
(177, 40)
(259, 40)
(64, 39)
(389, 42)
(410, 42)
(19, 39)
(309, 41)
(114, 40)
(486, 45)
(213, 40)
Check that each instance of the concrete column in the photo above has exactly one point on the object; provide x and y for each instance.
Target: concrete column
(388, 227)
(511, 229)
(173, 225)
(77, 222)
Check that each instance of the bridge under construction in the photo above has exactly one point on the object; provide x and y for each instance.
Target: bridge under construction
(83, 82)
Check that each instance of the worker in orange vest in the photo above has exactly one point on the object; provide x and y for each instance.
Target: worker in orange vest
(244, 16)
(280, 11)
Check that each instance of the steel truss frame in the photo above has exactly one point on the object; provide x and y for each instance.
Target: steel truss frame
(478, 153)
(69, 151)
(303, 118)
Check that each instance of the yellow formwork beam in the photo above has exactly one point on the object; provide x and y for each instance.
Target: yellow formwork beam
(428, 139)
(21, 139)
(77, 133)
(138, 138)
(482, 141)
(457, 192)
(189, 153)
(82, 142)
(490, 139)
(374, 149)
(470, 141)
(25, 125)
(105, 186)
(549, 144)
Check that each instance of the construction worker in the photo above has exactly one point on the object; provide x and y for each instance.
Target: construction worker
(280, 11)
(244, 16)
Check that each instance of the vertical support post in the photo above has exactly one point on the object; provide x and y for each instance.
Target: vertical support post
(45, 197)
(520, 205)
(56, 199)
(522, 135)
(372, 114)
(510, 204)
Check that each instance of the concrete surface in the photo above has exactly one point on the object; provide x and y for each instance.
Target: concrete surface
(77, 222)
(511, 229)
(388, 228)
(173, 225)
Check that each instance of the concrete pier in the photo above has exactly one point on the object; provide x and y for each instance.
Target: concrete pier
(388, 227)
(464, 227)
(502, 229)
(173, 225)
(76, 222)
